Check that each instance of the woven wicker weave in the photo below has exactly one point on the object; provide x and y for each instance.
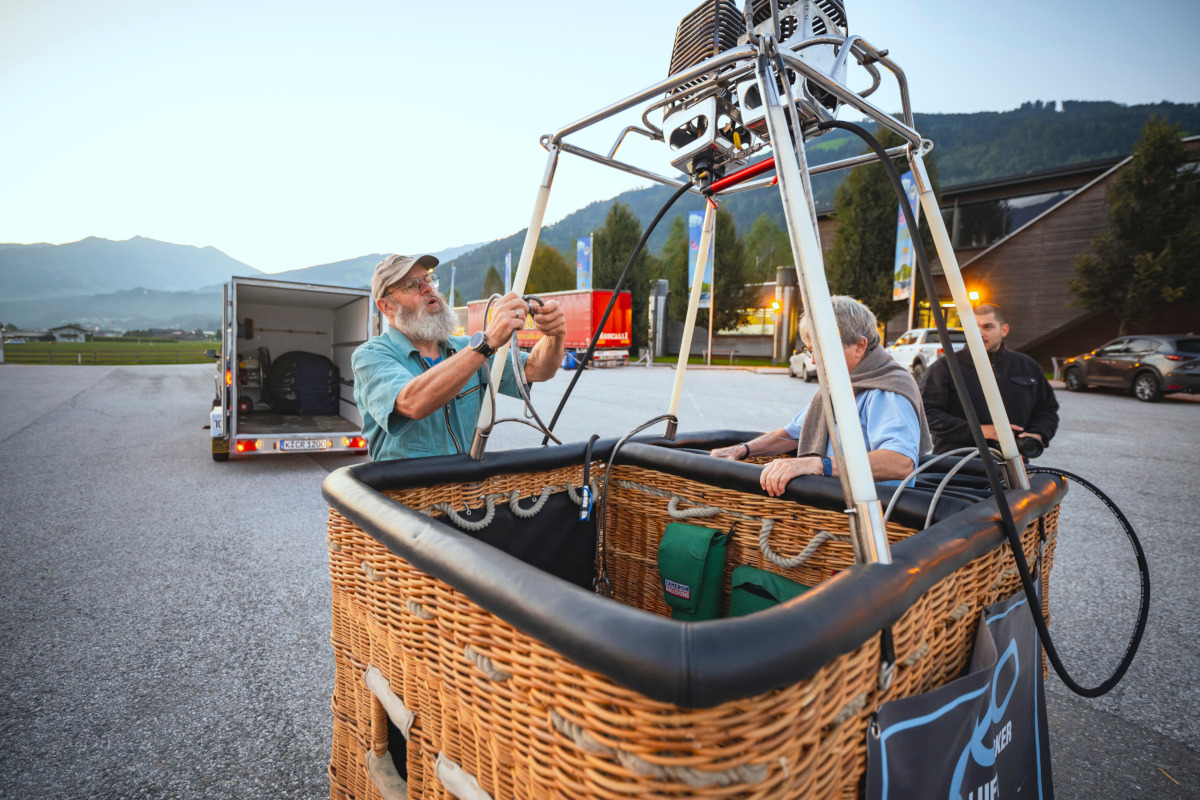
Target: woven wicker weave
(527, 722)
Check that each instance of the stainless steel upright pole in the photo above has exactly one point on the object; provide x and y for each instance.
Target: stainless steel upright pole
(866, 516)
(1014, 466)
(486, 412)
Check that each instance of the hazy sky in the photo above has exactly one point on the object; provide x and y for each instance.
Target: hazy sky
(288, 134)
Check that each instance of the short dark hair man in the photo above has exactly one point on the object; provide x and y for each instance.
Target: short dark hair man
(1027, 395)
(418, 386)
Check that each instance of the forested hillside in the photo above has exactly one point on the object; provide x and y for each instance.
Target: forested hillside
(967, 148)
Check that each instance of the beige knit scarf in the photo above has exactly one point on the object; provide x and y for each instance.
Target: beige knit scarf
(877, 370)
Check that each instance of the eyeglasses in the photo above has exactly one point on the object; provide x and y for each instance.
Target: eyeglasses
(411, 285)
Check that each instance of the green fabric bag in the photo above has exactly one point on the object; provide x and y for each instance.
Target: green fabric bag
(752, 589)
(691, 564)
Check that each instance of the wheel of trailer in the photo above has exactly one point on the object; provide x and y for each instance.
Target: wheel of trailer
(918, 369)
(220, 456)
(809, 377)
(791, 370)
(1073, 378)
(1147, 387)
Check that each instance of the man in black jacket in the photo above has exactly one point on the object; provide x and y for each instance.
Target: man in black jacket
(1027, 395)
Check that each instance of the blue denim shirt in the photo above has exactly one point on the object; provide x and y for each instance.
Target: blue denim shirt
(383, 366)
(889, 422)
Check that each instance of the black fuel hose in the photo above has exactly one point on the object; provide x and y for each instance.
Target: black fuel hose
(612, 302)
(1006, 517)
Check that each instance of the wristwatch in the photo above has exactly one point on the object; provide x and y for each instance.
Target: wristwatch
(480, 345)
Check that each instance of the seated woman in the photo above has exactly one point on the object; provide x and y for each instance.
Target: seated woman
(889, 408)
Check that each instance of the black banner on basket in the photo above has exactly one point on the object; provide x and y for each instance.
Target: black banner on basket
(981, 737)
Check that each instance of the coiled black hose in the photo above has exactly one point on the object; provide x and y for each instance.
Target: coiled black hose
(1006, 517)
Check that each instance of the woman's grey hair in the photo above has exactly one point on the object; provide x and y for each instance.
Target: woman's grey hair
(854, 321)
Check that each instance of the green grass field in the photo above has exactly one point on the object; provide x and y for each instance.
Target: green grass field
(110, 352)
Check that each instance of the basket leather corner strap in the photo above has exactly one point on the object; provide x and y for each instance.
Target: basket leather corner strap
(982, 736)
(581, 498)
(382, 770)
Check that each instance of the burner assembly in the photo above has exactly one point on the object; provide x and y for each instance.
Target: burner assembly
(747, 88)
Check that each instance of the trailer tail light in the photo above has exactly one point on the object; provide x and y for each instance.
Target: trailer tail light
(248, 445)
(354, 441)
(229, 377)
(941, 351)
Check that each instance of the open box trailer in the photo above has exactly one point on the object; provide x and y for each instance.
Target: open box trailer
(262, 320)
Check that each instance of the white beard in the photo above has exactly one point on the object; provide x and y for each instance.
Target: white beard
(422, 325)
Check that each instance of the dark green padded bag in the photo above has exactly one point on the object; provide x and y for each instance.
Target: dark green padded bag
(752, 589)
(691, 565)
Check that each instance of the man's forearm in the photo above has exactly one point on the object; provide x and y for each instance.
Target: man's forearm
(436, 387)
(545, 359)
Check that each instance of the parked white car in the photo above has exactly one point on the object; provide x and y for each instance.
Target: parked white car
(917, 349)
(800, 365)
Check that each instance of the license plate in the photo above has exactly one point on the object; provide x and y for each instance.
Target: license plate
(305, 444)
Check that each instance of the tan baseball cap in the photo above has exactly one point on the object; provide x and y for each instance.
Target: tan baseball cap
(392, 270)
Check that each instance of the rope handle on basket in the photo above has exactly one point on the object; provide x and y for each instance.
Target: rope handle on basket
(485, 665)
(764, 533)
(695, 778)
(512, 497)
(764, 545)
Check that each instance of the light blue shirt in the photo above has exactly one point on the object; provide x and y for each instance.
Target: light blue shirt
(889, 422)
(383, 366)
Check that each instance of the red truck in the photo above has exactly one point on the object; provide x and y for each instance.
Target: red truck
(583, 309)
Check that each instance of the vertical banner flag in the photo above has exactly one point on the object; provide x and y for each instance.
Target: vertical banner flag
(906, 257)
(695, 224)
(583, 263)
(508, 272)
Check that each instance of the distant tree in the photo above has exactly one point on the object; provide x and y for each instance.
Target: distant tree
(492, 282)
(730, 274)
(673, 261)
(549, 271)
(611, 248)
(862, 261)
(1147, 256)
(767, 248)
(458, 298)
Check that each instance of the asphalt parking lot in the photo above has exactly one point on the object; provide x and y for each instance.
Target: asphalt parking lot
(165, 619)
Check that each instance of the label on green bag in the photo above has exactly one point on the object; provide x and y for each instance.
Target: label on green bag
(681, 590)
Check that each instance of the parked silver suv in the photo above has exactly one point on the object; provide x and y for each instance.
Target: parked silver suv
(917, 349)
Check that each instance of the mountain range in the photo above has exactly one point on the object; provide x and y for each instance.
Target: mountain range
(141, 283)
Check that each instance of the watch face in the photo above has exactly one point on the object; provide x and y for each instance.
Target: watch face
(476, 340)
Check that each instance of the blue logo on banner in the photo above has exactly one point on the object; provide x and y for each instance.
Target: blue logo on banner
(583, 263)
(695, 228)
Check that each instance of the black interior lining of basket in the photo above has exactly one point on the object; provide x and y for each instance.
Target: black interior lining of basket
(554, 540)
(694, 665)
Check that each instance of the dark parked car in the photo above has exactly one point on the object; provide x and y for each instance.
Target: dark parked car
(1148, 365)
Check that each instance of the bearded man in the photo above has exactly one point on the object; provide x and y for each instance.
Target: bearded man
(419, 387)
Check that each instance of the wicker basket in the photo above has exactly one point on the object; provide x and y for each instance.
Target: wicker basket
(537, 688)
